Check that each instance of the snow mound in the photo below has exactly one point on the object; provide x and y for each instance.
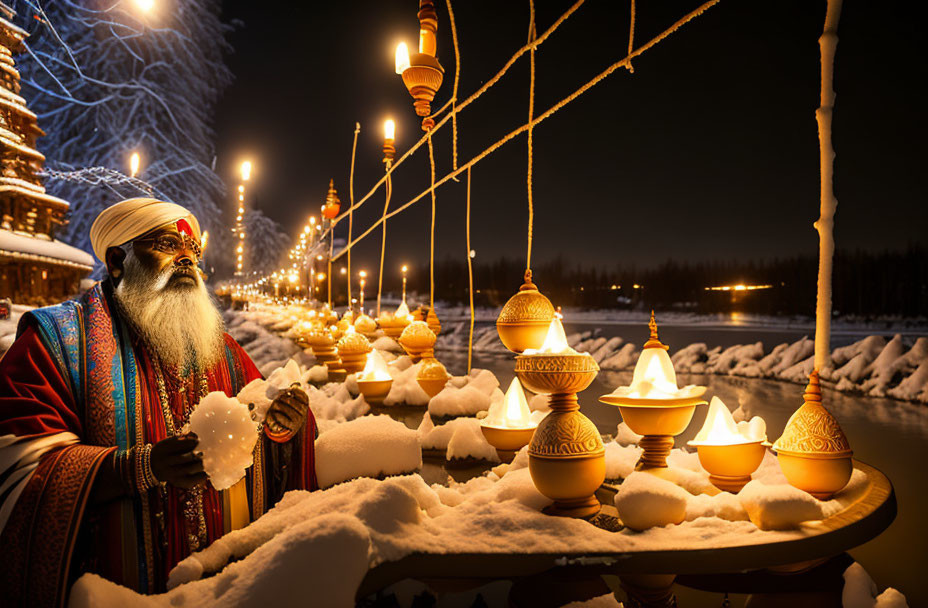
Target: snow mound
(227, 437)
(861, 592)
(646, 501)
(369, 446)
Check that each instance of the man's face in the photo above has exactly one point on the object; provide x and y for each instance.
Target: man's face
(167, 250)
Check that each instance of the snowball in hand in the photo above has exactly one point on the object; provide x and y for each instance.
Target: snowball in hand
(227, 437)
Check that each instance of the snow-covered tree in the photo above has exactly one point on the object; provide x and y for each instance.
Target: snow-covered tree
(107, 80)
(266, 244)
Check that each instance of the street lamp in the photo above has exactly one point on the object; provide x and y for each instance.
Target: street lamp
(421, 72)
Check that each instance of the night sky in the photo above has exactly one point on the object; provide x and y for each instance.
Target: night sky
(709, 150)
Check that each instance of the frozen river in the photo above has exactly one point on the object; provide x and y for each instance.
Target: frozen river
(885, 433)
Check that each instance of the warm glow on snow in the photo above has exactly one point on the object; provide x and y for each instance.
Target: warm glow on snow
(720, 428)
(375, 368)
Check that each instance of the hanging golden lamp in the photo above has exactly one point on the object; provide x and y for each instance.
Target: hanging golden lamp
(421, 72)
(524, 320)
(332, 203)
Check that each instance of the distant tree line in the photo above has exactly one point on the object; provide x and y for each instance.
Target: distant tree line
(866, 284)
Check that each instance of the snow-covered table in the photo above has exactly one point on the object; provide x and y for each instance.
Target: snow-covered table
(861, 521)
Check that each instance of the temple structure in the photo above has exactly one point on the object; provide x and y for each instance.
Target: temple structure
(35, 268)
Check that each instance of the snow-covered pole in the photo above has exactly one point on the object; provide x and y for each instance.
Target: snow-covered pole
(828, 44)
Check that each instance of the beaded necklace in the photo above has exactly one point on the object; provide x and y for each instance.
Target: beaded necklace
(194, 516)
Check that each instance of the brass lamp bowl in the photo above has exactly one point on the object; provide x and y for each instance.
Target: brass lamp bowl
(423, 78)
(659, 421)
(507, 441)
(375, 391)
(432, 375)
(730, 466)
(417, 339)
(821, 475)
(566, 455)
(366, 326)
(523, 322)
(393, 326)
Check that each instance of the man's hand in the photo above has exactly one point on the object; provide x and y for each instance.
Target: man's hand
(173, 460)
(287, 414)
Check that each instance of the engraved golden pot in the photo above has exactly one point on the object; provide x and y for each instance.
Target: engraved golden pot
(323, 346)
(423, 78)
(393, 326)
(523, 322)
(813, 451)
(566, 455)
(417, 339)
(375, 391)
(336, 370)
(366, 326)
(730, 466)
(432, 375)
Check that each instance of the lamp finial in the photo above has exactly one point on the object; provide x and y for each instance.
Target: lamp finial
(813, 392)
(653, 340)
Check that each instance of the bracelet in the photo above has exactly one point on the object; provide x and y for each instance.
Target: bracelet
(144, 478)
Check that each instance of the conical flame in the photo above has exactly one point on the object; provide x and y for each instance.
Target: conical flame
(375, 368)
(512, 412)
(402, 58)
(555, 341)
(402, 310)
(720, 427)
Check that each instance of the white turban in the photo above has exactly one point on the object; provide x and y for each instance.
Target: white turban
(129, 219)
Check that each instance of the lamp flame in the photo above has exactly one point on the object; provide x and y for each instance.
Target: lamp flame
(720, 427)
(402, 58)
(246, 170)
(134, 164)
(555, 340)
(375, 368)
(389, 130)
(512, 412)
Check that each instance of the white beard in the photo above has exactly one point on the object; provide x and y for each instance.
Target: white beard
(180, 324)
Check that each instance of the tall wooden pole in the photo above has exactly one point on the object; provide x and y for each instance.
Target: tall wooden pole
(828, 45)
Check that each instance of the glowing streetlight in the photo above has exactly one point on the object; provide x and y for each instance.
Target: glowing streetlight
(404, 269)
(145, 5)
(389, 134)
(401, 60)
(134, 163)
(246, 170)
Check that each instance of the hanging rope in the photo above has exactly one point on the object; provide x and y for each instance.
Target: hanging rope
(531, 111)
(354, 148)
(454, 90)
(432, 238)
(470, 279)
(541, 117)
(383, 244)
(631, 36)
(473, 97)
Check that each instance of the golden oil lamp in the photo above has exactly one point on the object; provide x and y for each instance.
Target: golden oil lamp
(375, 381)
(417, 339)
(653, 406)
(813, 451)
(322, 343)
(730, 452)
(508, 426)
(394, 324)
(566, 455)
(421, 72)
(352, 350)
(432, 375)
(365, 325)
(426, 313)
(523, 322)
(332, 204)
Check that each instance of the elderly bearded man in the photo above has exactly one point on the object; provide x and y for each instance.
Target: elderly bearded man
(95, 472)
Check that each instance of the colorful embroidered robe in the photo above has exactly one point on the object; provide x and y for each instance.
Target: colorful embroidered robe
(75, 386)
